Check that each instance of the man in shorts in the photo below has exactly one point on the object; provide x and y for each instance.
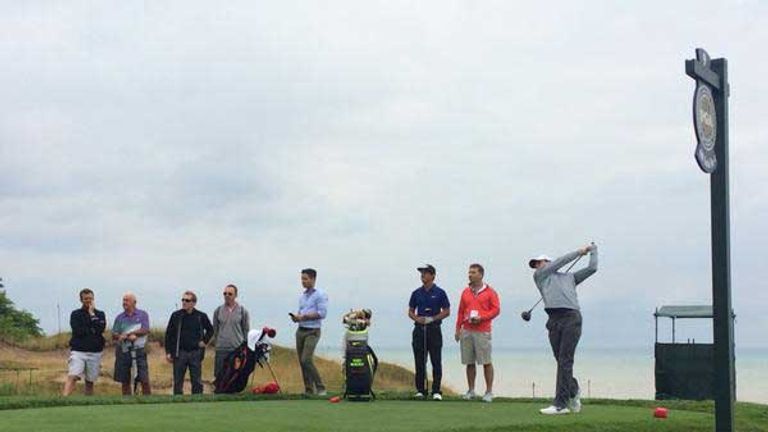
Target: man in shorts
(478, 306)
(86, 344)
(130, 335)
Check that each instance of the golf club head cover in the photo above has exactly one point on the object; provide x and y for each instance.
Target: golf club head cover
(269, 331)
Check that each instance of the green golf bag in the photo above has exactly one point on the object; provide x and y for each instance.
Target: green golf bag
(360, 365)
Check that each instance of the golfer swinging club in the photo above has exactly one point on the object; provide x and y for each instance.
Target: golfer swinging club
(564, 325)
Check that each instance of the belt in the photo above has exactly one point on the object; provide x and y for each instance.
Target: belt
(558, 311)
(308, 328)
(432, 324)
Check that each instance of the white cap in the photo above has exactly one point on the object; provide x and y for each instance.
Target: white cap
(533, 261)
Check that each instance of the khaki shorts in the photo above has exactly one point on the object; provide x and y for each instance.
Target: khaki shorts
(475, 347)
(84, 365)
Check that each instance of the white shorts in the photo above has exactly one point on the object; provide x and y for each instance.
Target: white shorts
(85, 365)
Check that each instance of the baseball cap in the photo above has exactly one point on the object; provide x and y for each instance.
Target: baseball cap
(427, 268)
(533, 261)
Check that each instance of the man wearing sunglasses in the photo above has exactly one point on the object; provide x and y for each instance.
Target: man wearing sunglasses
(231, 323)
(186, 336)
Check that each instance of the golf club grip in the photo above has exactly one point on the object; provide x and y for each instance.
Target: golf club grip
(573, 263)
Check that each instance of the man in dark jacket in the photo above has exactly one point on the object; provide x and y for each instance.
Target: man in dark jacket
(186, 336)
(86, 344)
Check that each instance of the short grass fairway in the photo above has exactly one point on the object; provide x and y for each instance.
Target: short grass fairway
(320, 415)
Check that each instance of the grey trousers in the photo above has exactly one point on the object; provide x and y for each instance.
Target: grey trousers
(564, 333)
(306, 342)
(193, 361)
(218, 361)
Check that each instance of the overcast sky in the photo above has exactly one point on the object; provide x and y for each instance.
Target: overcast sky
(166, 146)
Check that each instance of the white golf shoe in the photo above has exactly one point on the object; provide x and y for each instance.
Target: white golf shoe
(419, 395)
(488, 397)
(553, 410)
(469, 395)
(437, 397)
(575, 403)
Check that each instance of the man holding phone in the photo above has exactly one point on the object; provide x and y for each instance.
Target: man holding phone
(313, 306)
(86, 344)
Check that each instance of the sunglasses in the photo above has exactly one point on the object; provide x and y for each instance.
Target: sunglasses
(229, 294)
(187, 300)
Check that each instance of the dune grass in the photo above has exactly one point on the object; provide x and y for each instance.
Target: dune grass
(48, 357)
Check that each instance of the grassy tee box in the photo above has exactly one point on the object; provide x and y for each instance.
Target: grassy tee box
(392, 412)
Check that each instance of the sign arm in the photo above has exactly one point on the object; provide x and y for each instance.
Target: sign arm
(697, 71)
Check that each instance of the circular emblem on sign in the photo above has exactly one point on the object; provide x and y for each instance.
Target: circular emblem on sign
(706, 118)
(705, 126)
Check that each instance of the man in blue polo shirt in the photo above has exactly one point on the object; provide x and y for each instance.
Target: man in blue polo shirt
(427, 308)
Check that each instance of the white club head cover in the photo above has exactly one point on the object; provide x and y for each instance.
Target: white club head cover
(253, 338)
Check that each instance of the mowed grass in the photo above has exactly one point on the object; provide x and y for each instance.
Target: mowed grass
(320, 415)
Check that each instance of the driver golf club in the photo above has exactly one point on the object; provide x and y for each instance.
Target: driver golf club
(526, 315)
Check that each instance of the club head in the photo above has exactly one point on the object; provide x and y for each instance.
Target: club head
(526, 315)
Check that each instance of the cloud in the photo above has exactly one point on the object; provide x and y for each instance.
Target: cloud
(170, 146)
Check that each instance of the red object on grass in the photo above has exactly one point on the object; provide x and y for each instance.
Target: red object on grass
(269, 388)
(335, 399)
(661, 413)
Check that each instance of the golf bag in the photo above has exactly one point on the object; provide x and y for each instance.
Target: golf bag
(360, 361)
(240, 363)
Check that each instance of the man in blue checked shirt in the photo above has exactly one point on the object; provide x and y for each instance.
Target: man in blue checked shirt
(428, 307)
(313, 306)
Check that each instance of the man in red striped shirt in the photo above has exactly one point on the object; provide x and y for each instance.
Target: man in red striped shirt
(478, 306)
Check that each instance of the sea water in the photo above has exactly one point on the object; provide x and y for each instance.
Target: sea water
(620, 373)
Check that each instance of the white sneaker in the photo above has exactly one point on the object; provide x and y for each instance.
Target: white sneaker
(575, 403)
(553, 410)
(469, 395)
(488, 397)
(322, 393)
(419, 395)
(437, 397)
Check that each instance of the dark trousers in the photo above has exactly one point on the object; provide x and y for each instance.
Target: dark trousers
(193, 361)
(433, 345)
(306, 342)
(218, 362)
(564, 333)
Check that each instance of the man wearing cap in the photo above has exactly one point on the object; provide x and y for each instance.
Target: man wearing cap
(478, 306)
(564, 324)
(427, 308)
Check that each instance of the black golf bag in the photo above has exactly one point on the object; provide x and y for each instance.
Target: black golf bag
(240, 363)
(360, 365)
